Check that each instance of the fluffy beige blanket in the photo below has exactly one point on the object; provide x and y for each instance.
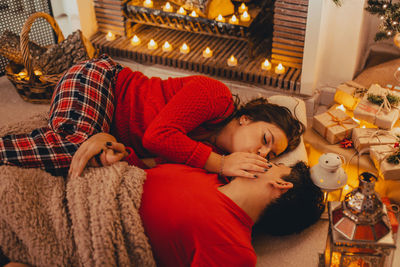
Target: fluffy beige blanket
(92, 220)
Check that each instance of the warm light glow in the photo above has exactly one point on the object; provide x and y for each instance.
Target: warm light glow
(38, 72)
(382, 17)
(193, 14)
(266, 65)
(280, 69)
(242, 8)
(148, 3)
(207, 53)
(233, 20)
(152, 45)
(220, 18)
(245, 16)
(181, 11)
(389, 33)
(341, 107)
(166, 47)
(23, 74)
(354, 119)
(110, 36)
(347, 187)
(185, 49)
(168, 7)
(135, 41)
(363, 126)
(232, 61)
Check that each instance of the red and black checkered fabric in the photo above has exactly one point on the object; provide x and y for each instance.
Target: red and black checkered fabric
(82, 105)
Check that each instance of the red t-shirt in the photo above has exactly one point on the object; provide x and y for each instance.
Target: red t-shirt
(155, 116)
(191, 223)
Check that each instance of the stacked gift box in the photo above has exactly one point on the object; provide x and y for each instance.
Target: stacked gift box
(376, 107)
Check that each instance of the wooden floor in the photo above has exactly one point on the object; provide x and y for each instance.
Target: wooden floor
(247, 70)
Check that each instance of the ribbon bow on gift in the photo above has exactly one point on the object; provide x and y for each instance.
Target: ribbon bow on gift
(385, 106)
(338, 122)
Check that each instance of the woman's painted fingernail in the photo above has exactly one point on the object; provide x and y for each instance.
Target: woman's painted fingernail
(265, 170)
(255, 176)
(269, 165)
(108, 144)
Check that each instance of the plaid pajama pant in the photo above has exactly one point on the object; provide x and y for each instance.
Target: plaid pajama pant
(82, 105)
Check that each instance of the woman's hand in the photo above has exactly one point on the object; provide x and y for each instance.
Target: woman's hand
(99, 150)
(243, 163)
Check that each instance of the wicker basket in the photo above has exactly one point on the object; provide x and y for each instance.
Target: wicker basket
(34, 88)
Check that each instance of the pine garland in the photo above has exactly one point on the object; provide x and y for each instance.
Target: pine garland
(394, 158)
(378, 100)
(389, 13)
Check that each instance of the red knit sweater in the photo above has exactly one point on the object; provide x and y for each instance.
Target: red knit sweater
(154, 116)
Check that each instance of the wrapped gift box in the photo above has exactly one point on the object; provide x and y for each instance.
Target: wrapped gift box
(375, 114)
(378, 154)
(334, 125)
(349, 94)
(366, 137)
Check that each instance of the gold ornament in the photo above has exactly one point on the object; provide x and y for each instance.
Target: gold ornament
(396, 39)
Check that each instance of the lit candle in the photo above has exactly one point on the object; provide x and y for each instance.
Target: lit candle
(152, 45)
(220, 18)
(193, 14)
(266, 65)
(245, 16)
(38, 73)
(280, 69)
(22, 74)
(185, 49)
(207, 53)
(233, 20)
(242, 8)
(110, 36)
(135, 40)
(148, 3)
(168, 7)
(167, 47)
(232, 61)
(181, 11)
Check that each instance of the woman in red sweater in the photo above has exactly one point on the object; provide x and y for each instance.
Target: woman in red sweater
(102, 113)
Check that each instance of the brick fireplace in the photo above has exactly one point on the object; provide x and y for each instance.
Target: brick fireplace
(276, 32)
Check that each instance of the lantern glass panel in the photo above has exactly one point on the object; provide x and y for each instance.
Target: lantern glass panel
(364, 232)
(381, 230)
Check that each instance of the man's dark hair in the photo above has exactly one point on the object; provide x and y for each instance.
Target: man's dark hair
(297, 209)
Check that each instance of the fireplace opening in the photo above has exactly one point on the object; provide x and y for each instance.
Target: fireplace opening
(257, 41)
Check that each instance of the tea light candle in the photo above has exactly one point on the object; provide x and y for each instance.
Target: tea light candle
(135, 41)
(266, 65)
(168, 7)
(181, 11)
(233, 20)
(22, 74)
(167, 47)
(242, 8)
(110, 36)
(148, 3)
(193, 14)
(207, 53)
(220, 18)
(38, 73)
(152, 45)
(280, 69)
(245, 16)
(185, 49)
(232, 61)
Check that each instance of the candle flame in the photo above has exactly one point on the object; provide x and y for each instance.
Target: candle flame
(167, 5)
(233, 19)
(152, 42)
(243, 6)
(341, 107)
(38, 72)
(135, 39)
(181, 11)
(220, 18)
(193, 14)
(346, 187)
(148, 2)
(184, 46)
(232, 58)
(266, 63)
(166, 44)
(208, 51)
(245, 14)
(280, 66)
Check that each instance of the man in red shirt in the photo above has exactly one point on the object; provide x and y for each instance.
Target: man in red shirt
(194, 219)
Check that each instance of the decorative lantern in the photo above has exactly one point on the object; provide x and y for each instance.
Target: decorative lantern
(360, 233)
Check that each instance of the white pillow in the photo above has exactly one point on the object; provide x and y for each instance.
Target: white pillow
(298, 109)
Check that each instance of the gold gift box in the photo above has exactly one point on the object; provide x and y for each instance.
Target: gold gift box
(366, 137)
(386, 170)
(348, 94)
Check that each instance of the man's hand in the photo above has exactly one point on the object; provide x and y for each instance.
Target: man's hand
(99, 150)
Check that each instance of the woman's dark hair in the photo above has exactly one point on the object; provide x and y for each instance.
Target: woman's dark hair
(260, 110)
(297, 209)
